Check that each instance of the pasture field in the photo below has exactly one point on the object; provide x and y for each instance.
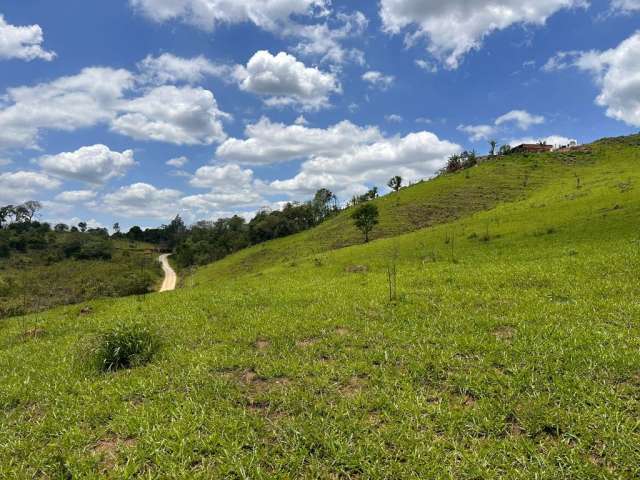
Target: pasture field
(510, 349)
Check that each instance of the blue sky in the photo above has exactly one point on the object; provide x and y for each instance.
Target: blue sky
(259, 102)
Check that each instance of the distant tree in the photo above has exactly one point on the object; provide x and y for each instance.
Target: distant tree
(6, 213)
(116, 228)
(469, 159)
(30, 209)
(372, 194)
(454, 163)
(82, 226)
(395, 183)
(61, 227)
(493, 144)
(135, 233)
(505, 149)
(365, 217)
(324, 201)
(74, 229)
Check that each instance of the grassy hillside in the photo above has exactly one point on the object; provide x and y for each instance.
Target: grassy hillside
(511, 350)
(37, 279)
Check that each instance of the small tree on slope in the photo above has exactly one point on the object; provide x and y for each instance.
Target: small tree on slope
(365, 218)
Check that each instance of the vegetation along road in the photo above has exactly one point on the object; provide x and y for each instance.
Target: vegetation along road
(170, 277)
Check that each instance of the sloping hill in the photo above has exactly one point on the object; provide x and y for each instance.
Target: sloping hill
(439, 201)
(510, 351)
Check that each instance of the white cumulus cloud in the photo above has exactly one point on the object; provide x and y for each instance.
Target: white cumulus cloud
(268, 142)
(452, 28)
(415, 156)
(142, 200)
(207, 14)
(169, 68)
(20, 186)
(180, 115)
(521, 118)
(22, 42)
(76, 196)
(378, 79)
(617, 73)
(94, 164)
(284, 80)
(222, 177)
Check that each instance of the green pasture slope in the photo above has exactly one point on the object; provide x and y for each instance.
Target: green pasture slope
(512, 350)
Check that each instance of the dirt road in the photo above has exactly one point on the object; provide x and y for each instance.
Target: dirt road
(170, 277)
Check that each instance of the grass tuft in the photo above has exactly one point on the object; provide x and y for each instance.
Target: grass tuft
(125, 346)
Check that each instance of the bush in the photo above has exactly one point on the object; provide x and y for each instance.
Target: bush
(95, 250)
(125, 346)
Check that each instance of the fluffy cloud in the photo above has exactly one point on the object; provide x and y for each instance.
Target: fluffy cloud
(95, 164)
(325, 43)
(67, 104)
(24, 43)
(553, 140)
(415, 156)
(222, 177)
(142, 200)
(521, 118)
(207, 14)
(168, 68)
(394, 118)
(269, 142)
(216, 204)
(626, 5)
(286, 81)
(76, 196)
(180, 115)
(16, 187)
(454, 27)
(378, 79)
(478, 132)
(178, 162)
(617, 73)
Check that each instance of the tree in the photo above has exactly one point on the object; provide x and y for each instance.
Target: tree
(469, 159)
(61, 227)
(30, 209)
(395, 183)
(453, 164)
(365, 217)
(116, 228)
(505, 149)
(136, 234)
(493, 144)
(322, 204)
(82, 226)
(5, 214)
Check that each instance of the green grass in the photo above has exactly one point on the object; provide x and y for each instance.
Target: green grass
(31, 282)
(514, 354)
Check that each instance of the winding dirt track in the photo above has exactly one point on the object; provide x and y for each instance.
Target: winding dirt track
(170, 277)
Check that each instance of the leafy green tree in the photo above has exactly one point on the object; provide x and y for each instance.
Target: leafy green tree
(116, 228)
(61, 227)
(6, 213)
(454, 164)
(395, 183)
(493, 144)
(82, 226)
(365, 217)
(505, 150)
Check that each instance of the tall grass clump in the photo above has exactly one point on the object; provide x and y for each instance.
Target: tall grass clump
(124, 346)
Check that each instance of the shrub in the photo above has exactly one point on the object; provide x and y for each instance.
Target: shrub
(125, 346)
(95, 250)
